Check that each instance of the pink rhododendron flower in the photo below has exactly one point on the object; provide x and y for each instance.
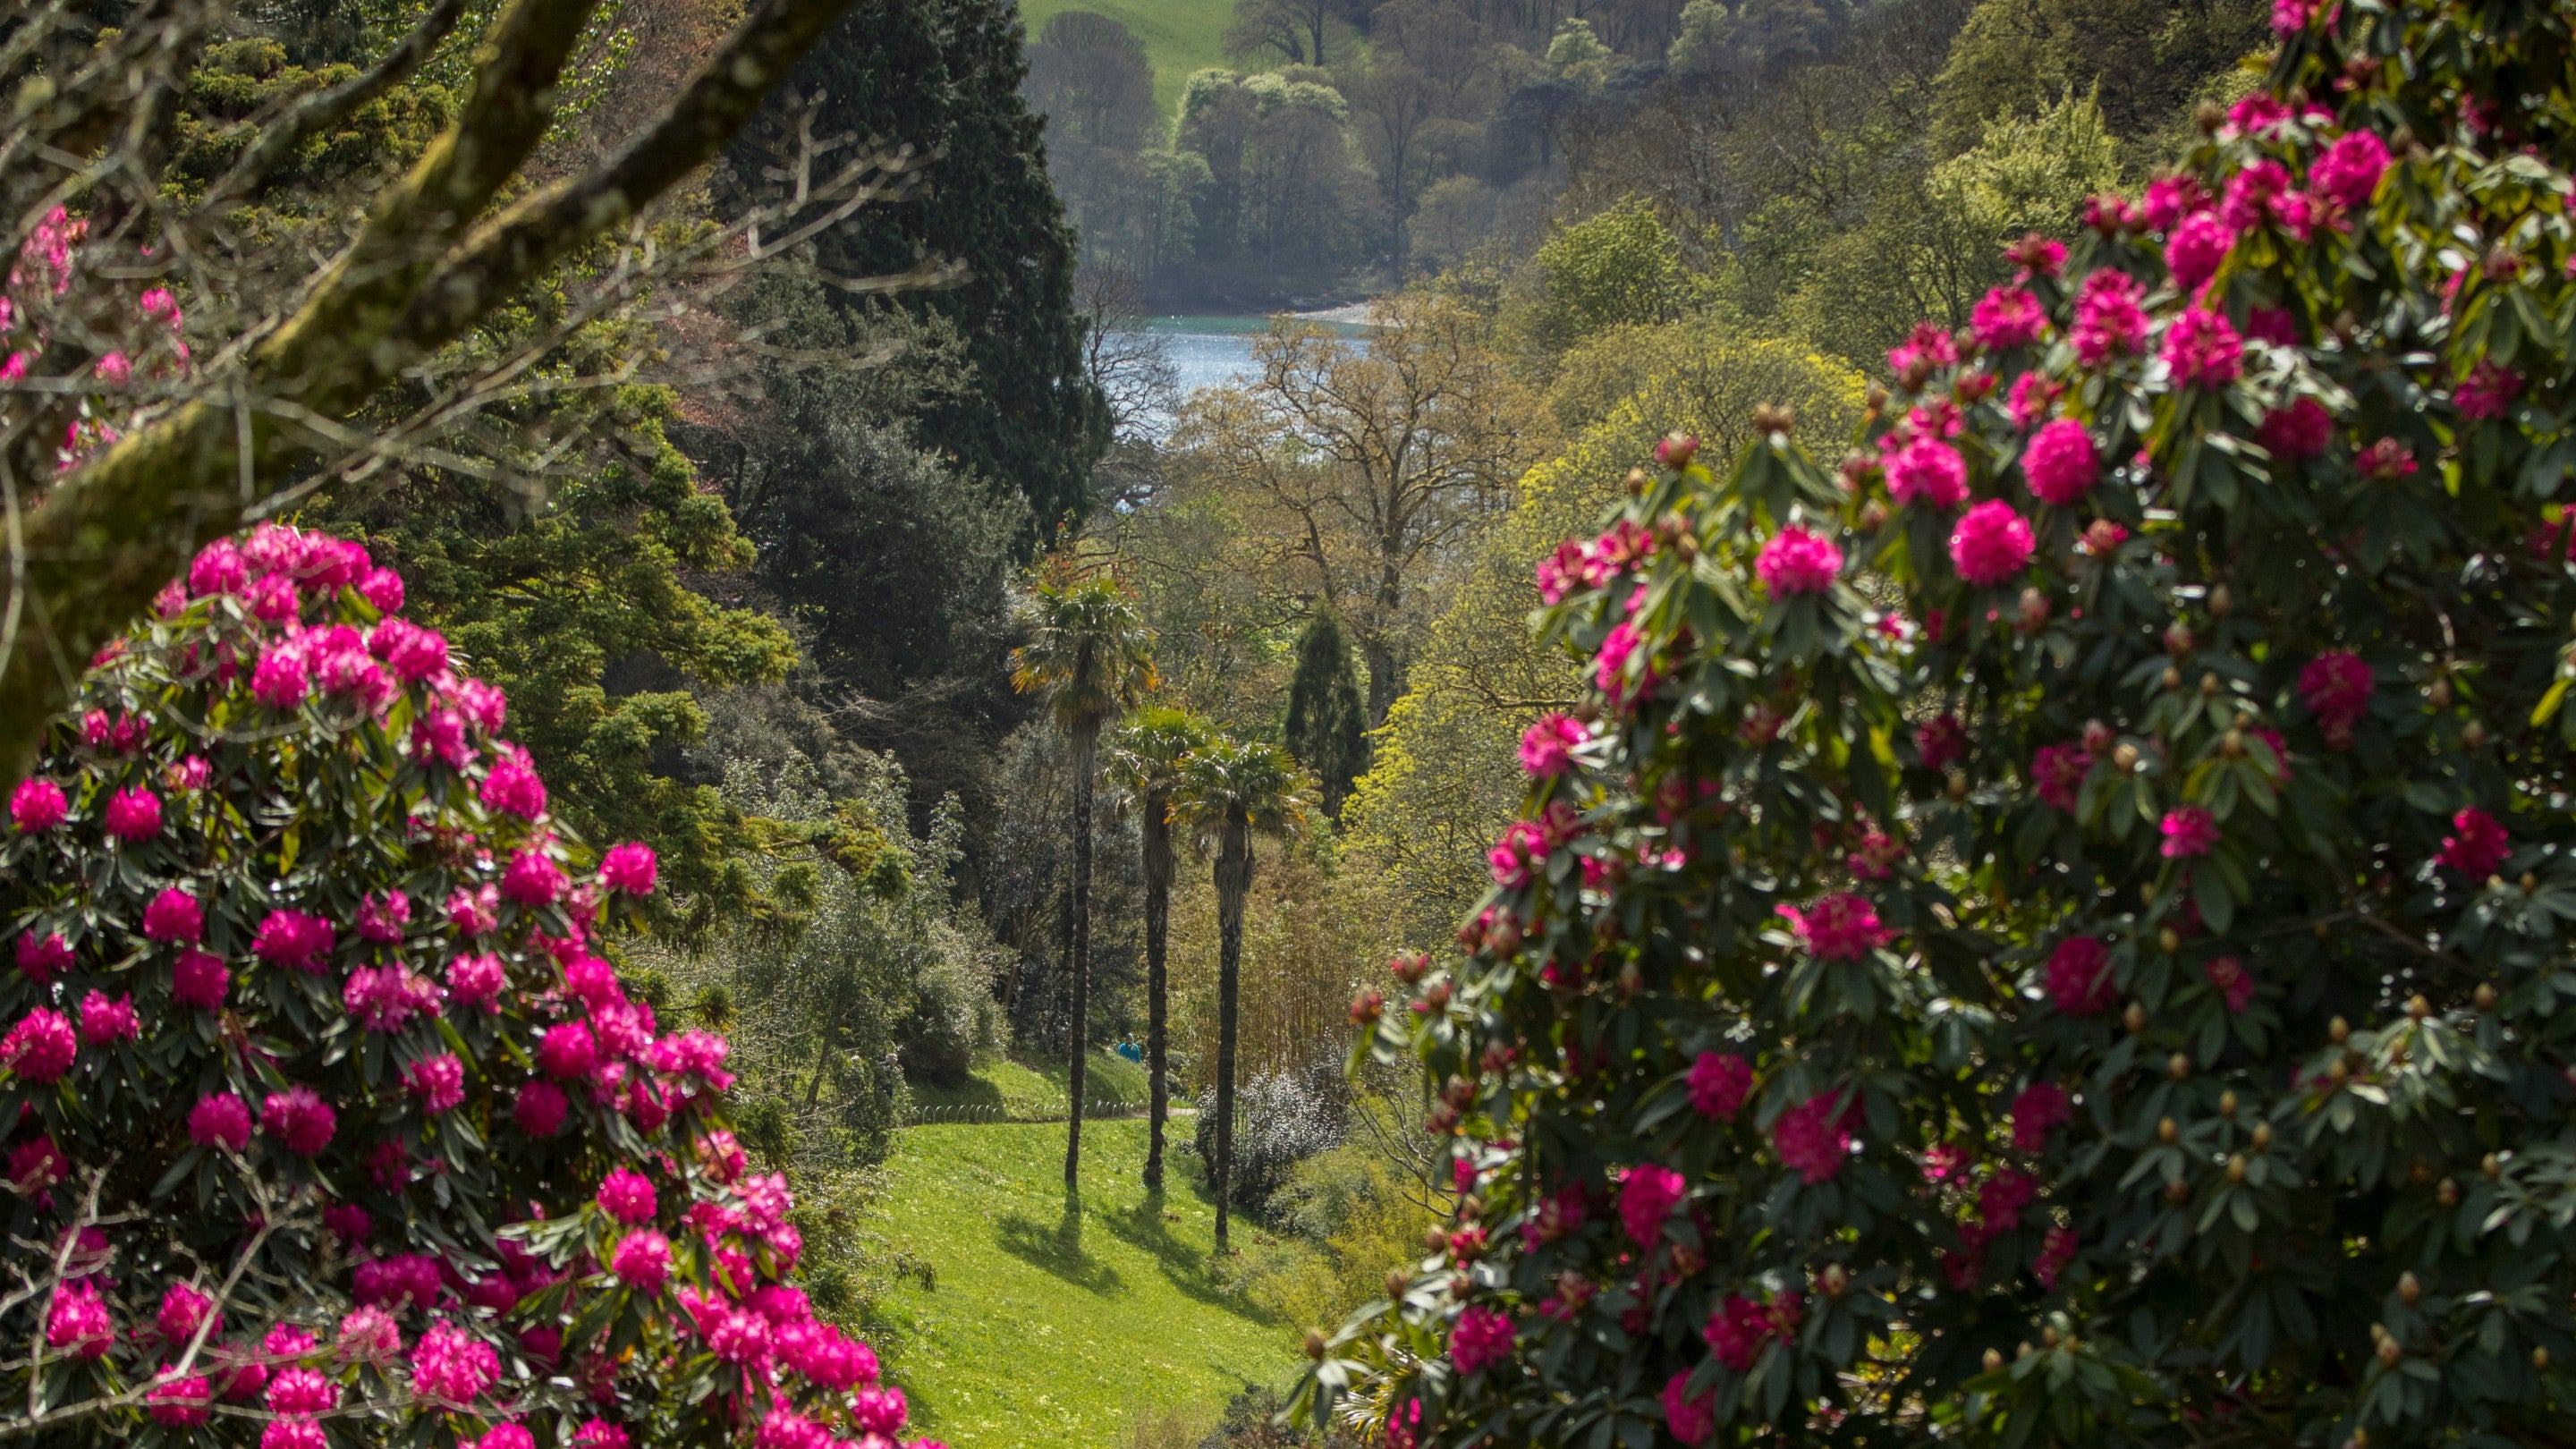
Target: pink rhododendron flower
(879, 1410)
(1547, 746)
(183, 1309)
(2478, 847)
(2198, 244)
(540, 1109)
(642, 1260)
(1838, 927)
(1648, 1192)
(1718, 1083)
(2057, 1250)
(180, 1403)
(450, 1367)
(220, 1120)
(1942, 741)
(567, 1051)
(627, 1196)
(2274, 325)
(199, 979)
(386, 998)
(2057, 772)
(2031, 398)
(134, 814)
(78, 1324)
(1689, 1420)
(514, 788)
(787, 1429)
(2109, 322)
(1482, 1339)
(1991, 543)
(2000, 1201)
(2337, 686)
(2347, 172)
(630, 868)
(1611, 664)
(2006, 317)
(1927, 344)
(37, 805)
(599, 1434)
(2060, 463)
(281, 680)
(439, 734)
(511, 1436)
(41, 958)
(383, 916)
(438, 1081)
(2203, 350)
(2041, 1107)
(2189, 831)
(476, 980)
(2298, 432)
(2233, 983)
(292, 940)
(299, 1118)
(533, 879)
(293, 1434)
(302, 1391)
(1810, 1138)
(369, 1335)
(406, 1279)
(2037, 254)
(2483, 394)
(1524, 844)
(2385, 461)
(174, 915)
(105, 1021)
(382, 588)
(37, 1164)
(41, 1047)
(1928, 472)
(1798, 561)
(820, 1353)
(2080, 978)
(413, 653)
(218, 569)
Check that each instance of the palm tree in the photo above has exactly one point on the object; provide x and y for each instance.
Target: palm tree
(1148, 756)
(1229, 790)
(1088, 654)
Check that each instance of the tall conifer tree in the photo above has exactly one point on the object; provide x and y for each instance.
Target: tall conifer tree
(1326, 729)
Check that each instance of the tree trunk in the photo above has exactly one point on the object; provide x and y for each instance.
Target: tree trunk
(1158, 913)
(1385, 680)
(1084, 740)
(1233, 881)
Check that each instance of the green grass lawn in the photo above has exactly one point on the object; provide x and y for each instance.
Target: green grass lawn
(1021, 1092)
(1052, 1321)
(1180, 36)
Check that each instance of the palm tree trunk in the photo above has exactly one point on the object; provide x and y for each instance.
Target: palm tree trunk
(1084, 740)
(1158, 915)
(1233, 881)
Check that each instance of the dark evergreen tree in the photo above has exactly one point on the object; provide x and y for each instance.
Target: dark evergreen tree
(1325, 721)
(943, 77)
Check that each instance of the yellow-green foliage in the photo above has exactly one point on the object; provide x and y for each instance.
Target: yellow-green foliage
(1445, 781)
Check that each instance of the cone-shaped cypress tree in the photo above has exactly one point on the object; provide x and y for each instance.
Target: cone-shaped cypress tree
(1325, 724)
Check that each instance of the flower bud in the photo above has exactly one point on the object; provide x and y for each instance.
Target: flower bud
(2493, 1167)
(1834, 1281)
(2338, 1031)
(2135, 1019)
(1994, 1359)
(1676, 451)
(2473, 735)
(1636, 481)
(2221, 602)
(1316, 1343)
(2177, 1193)
(2262, 1136)
(2178, 638)
(2410, 1289)
(2172, 679)
(1396, 1283)
(2126, 756)
(2169, 939)
(2389, 1352)
(2540, 1359)
(1771, 418)
(2048, 1336)
(2168, 1131)
(2438, 693)
(2227, 1104)
(2178, 1066)
(2209, 685)
(1367, 1007)
(2417, 1008)
(2484, 998)
(2448, 1194)
(2236, 1169)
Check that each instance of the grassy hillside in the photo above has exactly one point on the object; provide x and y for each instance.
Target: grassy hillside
(1180, 35)
(1001, 1089)
(1055, 1321)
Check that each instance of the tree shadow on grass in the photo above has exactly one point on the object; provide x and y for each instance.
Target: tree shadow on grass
(1141, 1226)
(1057, 1248)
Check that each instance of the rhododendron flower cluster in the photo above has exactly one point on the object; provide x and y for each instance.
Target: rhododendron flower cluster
(420, 1047)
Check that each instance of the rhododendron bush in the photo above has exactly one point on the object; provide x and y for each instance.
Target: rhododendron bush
(2057, 933)
(326, 1121)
